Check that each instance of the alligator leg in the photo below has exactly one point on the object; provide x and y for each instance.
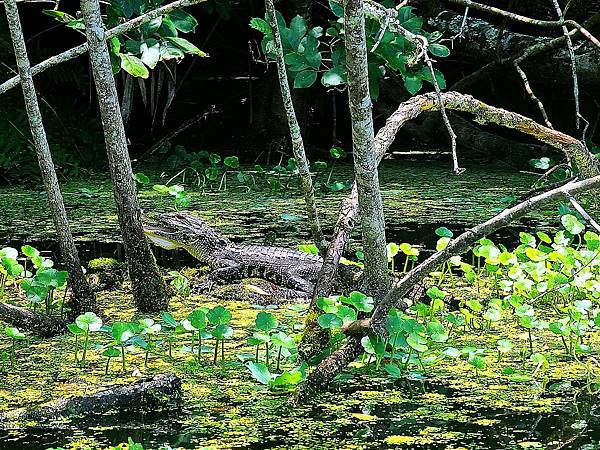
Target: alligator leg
(297, 283)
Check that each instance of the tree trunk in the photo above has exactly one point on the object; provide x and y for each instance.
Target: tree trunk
(295, 133)
(83, 298)
(363, 146)
(149, 290)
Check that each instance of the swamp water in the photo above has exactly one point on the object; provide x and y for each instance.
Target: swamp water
(451, 409)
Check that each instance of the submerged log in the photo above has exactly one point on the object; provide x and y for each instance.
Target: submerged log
(160, 392)
(27, 320)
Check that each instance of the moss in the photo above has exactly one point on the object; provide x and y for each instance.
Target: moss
(104, 264)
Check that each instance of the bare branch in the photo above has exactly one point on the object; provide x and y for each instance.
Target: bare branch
(529, 91)
(573, 64)
(528, 20)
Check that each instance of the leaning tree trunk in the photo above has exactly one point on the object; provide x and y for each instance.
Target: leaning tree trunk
(363, 146)
(83, 298)
(295, 133)
(149, 290)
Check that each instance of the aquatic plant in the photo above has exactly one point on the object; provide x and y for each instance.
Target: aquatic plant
(199, 322)
(180, 282)
(84, 325)
(14, 335)
(122, 332)
(219, 317)
(284, 381)
(148, 328)
(9, 267)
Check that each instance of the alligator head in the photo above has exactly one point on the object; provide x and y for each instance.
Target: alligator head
(182, 230)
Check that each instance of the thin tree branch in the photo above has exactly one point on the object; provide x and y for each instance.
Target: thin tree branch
(528, 20)
(295, 132)
(531, 94)
(573, 64)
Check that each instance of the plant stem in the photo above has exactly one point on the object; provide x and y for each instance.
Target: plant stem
(216, 351)
(107, 363)
(76, 349)
(222, 352)
(278, 357)
(85, 345)
(123, 357)
(199, 345)
(530, 340)
(257, 354)
(12, 355)
(267, 354)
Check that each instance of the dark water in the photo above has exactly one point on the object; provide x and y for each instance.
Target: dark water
(573, 426)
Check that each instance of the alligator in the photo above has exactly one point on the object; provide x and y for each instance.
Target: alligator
(292, 269)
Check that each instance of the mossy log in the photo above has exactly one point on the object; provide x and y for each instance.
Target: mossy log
(160, 392)
(27, 320)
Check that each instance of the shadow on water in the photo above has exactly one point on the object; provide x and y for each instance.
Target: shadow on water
(413, 423)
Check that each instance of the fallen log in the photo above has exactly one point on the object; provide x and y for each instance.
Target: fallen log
(160, 392)
(28, 320)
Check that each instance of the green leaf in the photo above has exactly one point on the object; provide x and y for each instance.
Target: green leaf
(280, 339)
(444, 232)
(265, 321)
(413, 83)
(219, 315)
(334, 77)
(89, 321)
(183, 21)
(133, 66)
(74, 329)
(439, 50)
(336, 8)
(478, 362)
(122, 332)
(305, 79)
(572, 224)
(359, 300)
(261, 25)
(393, 370)
(504, 345)
(141, 178)
(233, 162)
(417, 342)
(186, 46)
(111, 352)
(222, 331)
(198, 319)
(14, 333)
(150, 54)
(27, 250)
(260, 372)
(308, 248)
(329, 321)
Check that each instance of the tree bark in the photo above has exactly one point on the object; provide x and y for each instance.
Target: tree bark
(149, 290)
(83, 298)
(161, 392)
(295, 133)
(363, 146)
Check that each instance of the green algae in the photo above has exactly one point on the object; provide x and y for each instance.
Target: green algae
(225, 409)
(413, 192)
